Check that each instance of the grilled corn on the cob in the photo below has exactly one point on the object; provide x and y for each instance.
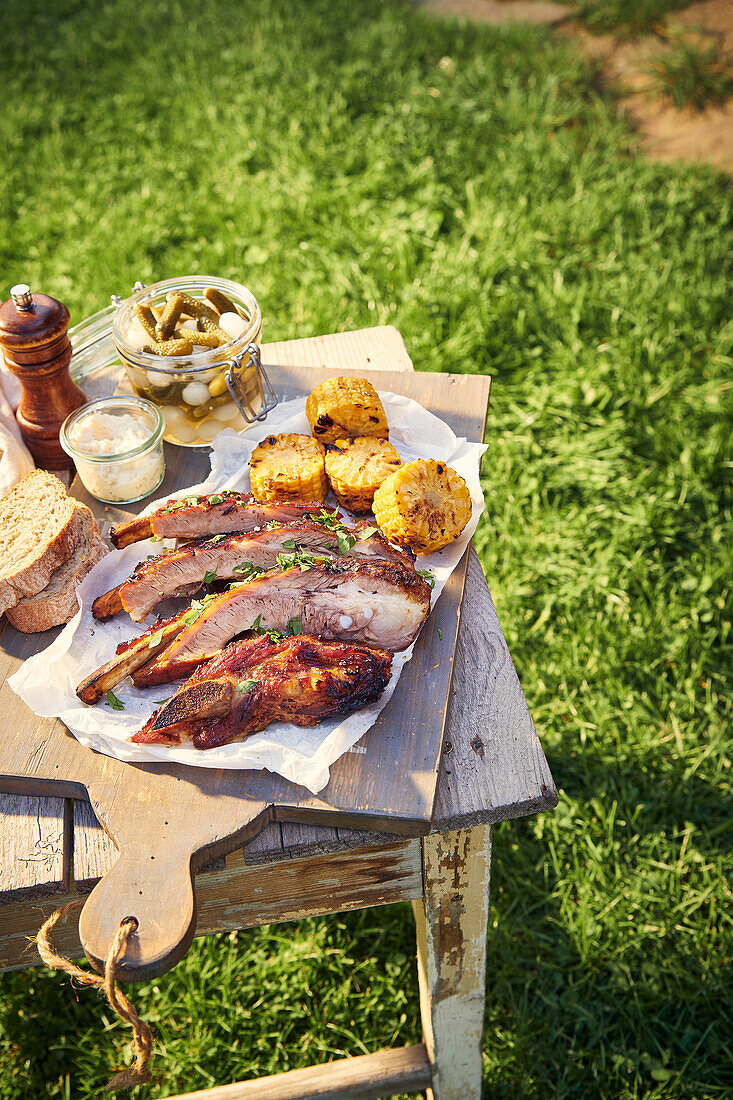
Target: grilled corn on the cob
(425, 505)
(342, 407)
(357, 467)
(288, 467)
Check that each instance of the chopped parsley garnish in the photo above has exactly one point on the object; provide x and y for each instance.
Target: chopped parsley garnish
(427, 576)
(344, 542)
(247, 570)
(210, 576)
(367, 532)
(295, 626)
(197, 606)
(217, 538)
(440, 633)
(216, 498)
(330, 520)
(300, 558)
(112, 701)
(175, 506)
(159, 702)
(155, 639)
(290, 544)
(274, 635)
(245, 686)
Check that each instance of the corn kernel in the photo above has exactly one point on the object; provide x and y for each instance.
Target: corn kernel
(343, 407)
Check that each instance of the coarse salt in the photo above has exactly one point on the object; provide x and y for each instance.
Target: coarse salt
(120, 479)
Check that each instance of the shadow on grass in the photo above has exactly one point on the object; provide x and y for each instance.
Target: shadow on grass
(619, 996)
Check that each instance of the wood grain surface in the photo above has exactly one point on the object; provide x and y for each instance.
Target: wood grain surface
(34, 854)
(367, 1077)
(36, 348)
(452, 921)
(170, 820)
(381, 348)
(243, 895)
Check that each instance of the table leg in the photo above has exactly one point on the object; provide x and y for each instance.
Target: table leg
(452, 921)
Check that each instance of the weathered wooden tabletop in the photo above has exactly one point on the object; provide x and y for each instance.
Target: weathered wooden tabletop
(492, 767)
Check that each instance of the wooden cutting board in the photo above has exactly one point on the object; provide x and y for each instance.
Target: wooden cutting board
(169, 820)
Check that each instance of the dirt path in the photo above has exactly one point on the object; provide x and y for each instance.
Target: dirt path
(665, 133)
(499, 11)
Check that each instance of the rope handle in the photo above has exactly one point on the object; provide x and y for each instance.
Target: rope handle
(138, 1073)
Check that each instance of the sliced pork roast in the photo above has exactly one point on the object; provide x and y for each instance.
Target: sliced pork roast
(232, 557)
(376, 602)
(257, 681)
(195, 517)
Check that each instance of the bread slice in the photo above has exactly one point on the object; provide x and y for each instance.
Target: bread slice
(38, 533)
(57, 602)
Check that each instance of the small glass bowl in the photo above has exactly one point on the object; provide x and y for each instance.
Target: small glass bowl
(118, 475)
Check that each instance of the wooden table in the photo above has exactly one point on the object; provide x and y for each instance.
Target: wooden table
(492, 768)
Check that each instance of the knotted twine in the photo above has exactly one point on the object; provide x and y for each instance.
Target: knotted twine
(138, 1073)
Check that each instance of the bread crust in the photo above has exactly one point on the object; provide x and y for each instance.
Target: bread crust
(50, 542)
(57, 602)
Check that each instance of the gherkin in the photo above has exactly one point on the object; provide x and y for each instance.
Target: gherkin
(146, 317)
(220, 301)
(201, 339)
(170, 347)
(207, 316)
(169, 317)
(199, 309)
(212, 327)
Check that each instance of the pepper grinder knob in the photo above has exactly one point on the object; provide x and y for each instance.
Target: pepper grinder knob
(36, 348)
(21, 295)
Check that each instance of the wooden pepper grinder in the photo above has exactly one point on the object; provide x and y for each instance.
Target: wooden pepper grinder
(36, 348)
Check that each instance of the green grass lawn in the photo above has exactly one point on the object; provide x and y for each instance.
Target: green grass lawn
(491, 206)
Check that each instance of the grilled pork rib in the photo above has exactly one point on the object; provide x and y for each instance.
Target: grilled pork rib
(129, 657)
(213, 514)
(107, 605)
(228, 557)
(370, 602)
(255, 682)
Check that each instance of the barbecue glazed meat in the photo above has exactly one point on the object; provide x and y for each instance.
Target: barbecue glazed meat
(204, 516)
(255, 682)
(369, 602)
(129, 657)
(107, 605)
(227, 557)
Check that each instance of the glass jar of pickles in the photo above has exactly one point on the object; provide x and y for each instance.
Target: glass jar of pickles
(192, 346)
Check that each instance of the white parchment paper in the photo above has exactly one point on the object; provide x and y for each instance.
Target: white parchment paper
(47, 681)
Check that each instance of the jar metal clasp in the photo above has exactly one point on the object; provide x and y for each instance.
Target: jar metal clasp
(235, 384)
